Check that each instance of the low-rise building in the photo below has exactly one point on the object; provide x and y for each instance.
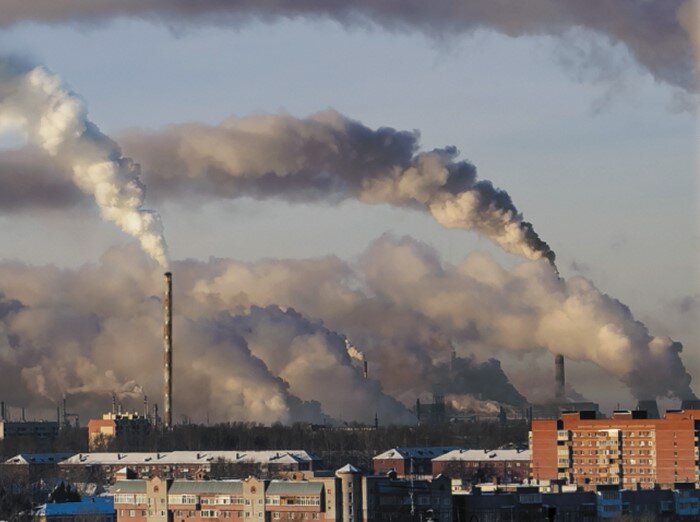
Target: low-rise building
(89, 509)
(570, 504)
(409, 461)
(114, 425)
(503, 465)
(194, 464)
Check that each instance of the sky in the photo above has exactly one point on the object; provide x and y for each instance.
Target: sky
(600, 158)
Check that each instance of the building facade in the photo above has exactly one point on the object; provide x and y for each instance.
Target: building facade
(503, 465)
(193, 464)
(628, 449)
(409, 461)
(89, 509)
(113, 425)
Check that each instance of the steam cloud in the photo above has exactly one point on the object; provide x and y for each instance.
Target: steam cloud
(266, 340)
(658, 34)
(35, 102)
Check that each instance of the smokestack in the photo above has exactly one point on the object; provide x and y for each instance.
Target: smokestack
(364, 368)
(559, 378)
(145, 406)
(114, 403)
(24, 417)
(168, 351)
(2, 410)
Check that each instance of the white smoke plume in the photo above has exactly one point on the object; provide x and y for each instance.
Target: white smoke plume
(327, 157)
(265, 341)
(94, 331)
(353, 352)
(422, 307)
(35, 102)
(658, 34)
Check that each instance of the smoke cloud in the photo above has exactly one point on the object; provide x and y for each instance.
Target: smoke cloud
(265, 341)
(329, 157)
(424, 308)
(658, 35)
(35, 102)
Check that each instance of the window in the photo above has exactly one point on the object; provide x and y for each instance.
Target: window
(276, 515)
(208, 513)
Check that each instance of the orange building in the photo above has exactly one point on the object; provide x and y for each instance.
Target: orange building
(627, 449)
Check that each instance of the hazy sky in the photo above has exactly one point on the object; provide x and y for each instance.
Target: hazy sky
(601, 160)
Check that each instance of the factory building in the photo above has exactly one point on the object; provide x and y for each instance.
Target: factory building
(114, 425)
(629, 449)
(39, 430)
(503, 465)
(409, 461)
(193, 464)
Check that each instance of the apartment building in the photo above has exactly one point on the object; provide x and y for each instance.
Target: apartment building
(193, 464)
(409, 461)
(628, 449)
(503, 465)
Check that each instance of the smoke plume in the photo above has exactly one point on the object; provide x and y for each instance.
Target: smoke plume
(423, 308)
(35, 102)
(265, 341)
(658, 34)
(328, 157)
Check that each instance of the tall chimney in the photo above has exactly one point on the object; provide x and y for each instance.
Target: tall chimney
(168, 351)
(364, 369)
(145, 406)
(2, 410)
(559, 377)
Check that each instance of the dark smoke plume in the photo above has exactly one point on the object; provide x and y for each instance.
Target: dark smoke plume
(659, 34)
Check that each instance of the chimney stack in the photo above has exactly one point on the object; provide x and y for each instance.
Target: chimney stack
(168, 351)
(2, 411)
(559, 378)
(364, 369)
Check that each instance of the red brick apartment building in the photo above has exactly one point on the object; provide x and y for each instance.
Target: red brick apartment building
(628, 449)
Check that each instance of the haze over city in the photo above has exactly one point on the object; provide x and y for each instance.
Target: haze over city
(361, 205)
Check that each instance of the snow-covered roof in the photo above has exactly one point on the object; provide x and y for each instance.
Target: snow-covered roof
(415, 453)
(191, 457)
(473, 455)
(39, 458)
(348, 468)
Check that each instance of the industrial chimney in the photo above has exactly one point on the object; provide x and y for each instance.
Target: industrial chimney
(365, 371)
(168, 351)
(559, 378)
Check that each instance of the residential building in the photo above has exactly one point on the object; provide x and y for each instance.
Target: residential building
(628, 449)
(194, 464)
(503, 465)
(409, 461)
